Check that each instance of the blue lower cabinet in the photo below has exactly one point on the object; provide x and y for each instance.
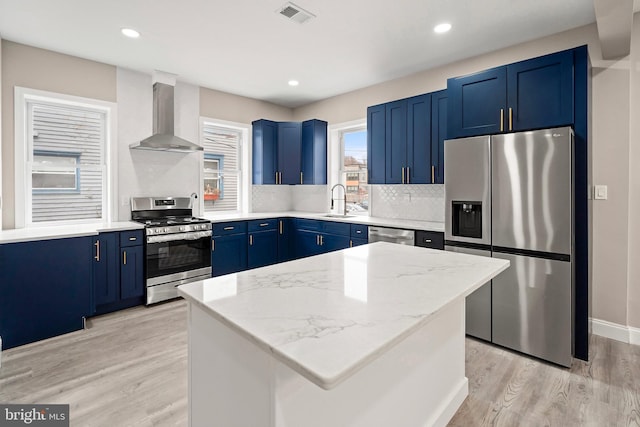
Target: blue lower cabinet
(333, 242)
(131, 272)
(228, 254)
(118, 271)
(263, 248)
(286, 245)
(358, 242)
(45, 289)
(307, 243)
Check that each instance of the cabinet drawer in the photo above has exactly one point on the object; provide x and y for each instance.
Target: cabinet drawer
(359, 231)
(339, 228)
(131, 238)
(430, 239)
(308, 224)
(262, 225)
(224, 228)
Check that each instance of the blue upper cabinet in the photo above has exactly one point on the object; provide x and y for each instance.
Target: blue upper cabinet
(399, 142)
(376, 136)
(396, 142)
(532, 94)
(289, 152)
(438, 134)
(419, 142)
(314, 152)
(477, 103)
(540, 92)
(265, 138)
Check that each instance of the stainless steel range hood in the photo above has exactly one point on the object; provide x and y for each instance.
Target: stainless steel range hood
(163, 138)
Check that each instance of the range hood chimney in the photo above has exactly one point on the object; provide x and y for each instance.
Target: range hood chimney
(163, 138)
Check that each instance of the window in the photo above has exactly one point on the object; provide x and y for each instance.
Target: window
(55, 172)
(354, 170)
(63, 143)
(221, 171)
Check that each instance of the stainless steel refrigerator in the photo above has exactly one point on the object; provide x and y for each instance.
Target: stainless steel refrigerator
(510, 196)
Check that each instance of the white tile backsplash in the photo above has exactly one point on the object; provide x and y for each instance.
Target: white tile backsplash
(408, 201)
(283, 198)
(310, 198)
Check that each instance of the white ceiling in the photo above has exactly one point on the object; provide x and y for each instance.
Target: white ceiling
(246, 48)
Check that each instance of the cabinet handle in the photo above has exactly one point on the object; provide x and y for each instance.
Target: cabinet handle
(133, 239)
(403, 175)
(280, 226)
(408, 175)
(97, 245)
(228, 228)
(276, 177)
(264, 224)
(427, 240)
(358, 231)
(250, 239)
(317, 240)
(321, 240)
(279, 177)
(213, 245)
(350, 243)
(124, 257)
(433, 174)
(300, 177)
(501, 119)
(510, 118)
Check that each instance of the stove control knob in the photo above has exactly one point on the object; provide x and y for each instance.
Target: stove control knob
(166, 230)
(183, 228)
(150, 231)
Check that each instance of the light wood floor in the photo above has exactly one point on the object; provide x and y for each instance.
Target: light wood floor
(130, 369)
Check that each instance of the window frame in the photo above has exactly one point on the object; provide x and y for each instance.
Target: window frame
(244, 166)
(336, 153)
(23, 154)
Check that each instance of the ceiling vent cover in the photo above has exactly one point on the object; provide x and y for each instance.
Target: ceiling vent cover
(295, 13)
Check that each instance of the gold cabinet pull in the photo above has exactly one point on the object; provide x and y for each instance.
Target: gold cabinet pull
(276, 177)
(408, 175)
(350, 243)
(433, 174)
(124, 257)
(250, 239)
(228, 228)
(300, 177)
(321, 240)
(97, 245)
(213, 245)
(317, 240)
(510, 118)
(501, 119)
(264, 224)
(403, 175)
(280, 226)
(280, 177)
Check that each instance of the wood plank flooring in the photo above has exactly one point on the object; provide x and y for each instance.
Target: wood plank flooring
(130, 369)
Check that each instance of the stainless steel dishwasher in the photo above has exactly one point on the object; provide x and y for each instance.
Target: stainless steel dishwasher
(393, 235)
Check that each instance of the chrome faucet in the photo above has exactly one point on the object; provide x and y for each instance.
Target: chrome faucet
(344, 198)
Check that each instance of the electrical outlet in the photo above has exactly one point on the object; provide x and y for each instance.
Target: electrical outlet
(600, 192)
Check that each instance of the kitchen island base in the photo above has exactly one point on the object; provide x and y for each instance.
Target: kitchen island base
(233, 381)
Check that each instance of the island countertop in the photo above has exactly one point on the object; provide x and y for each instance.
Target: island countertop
(329, 315)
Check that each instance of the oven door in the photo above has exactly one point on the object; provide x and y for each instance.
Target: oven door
(178, 253)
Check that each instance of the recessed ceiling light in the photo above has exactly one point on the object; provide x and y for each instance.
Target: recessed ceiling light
(130, 32)
(442, 28)
(293, 83)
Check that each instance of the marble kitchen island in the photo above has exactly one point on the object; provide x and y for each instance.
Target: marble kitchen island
(366, 336)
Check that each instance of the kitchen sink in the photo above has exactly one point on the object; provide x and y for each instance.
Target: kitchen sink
(338, 216)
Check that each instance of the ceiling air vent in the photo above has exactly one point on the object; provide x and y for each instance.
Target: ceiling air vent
(295, 13)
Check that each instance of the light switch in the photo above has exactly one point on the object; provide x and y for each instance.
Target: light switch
(600, 192)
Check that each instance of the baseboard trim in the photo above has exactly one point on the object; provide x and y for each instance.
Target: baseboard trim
(627, 334)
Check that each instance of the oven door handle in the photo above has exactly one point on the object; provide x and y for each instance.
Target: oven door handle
(179, 236)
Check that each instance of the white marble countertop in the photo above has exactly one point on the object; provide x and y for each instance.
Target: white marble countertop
(64, 231)
(355, 219)
(329, 315)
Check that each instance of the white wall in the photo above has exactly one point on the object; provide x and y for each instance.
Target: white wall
(145, 173)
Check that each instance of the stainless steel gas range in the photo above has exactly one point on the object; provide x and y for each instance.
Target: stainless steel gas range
(178, 246)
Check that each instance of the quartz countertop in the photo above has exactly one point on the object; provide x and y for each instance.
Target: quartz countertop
(64, 231)
(355, 219)
(329, 315)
